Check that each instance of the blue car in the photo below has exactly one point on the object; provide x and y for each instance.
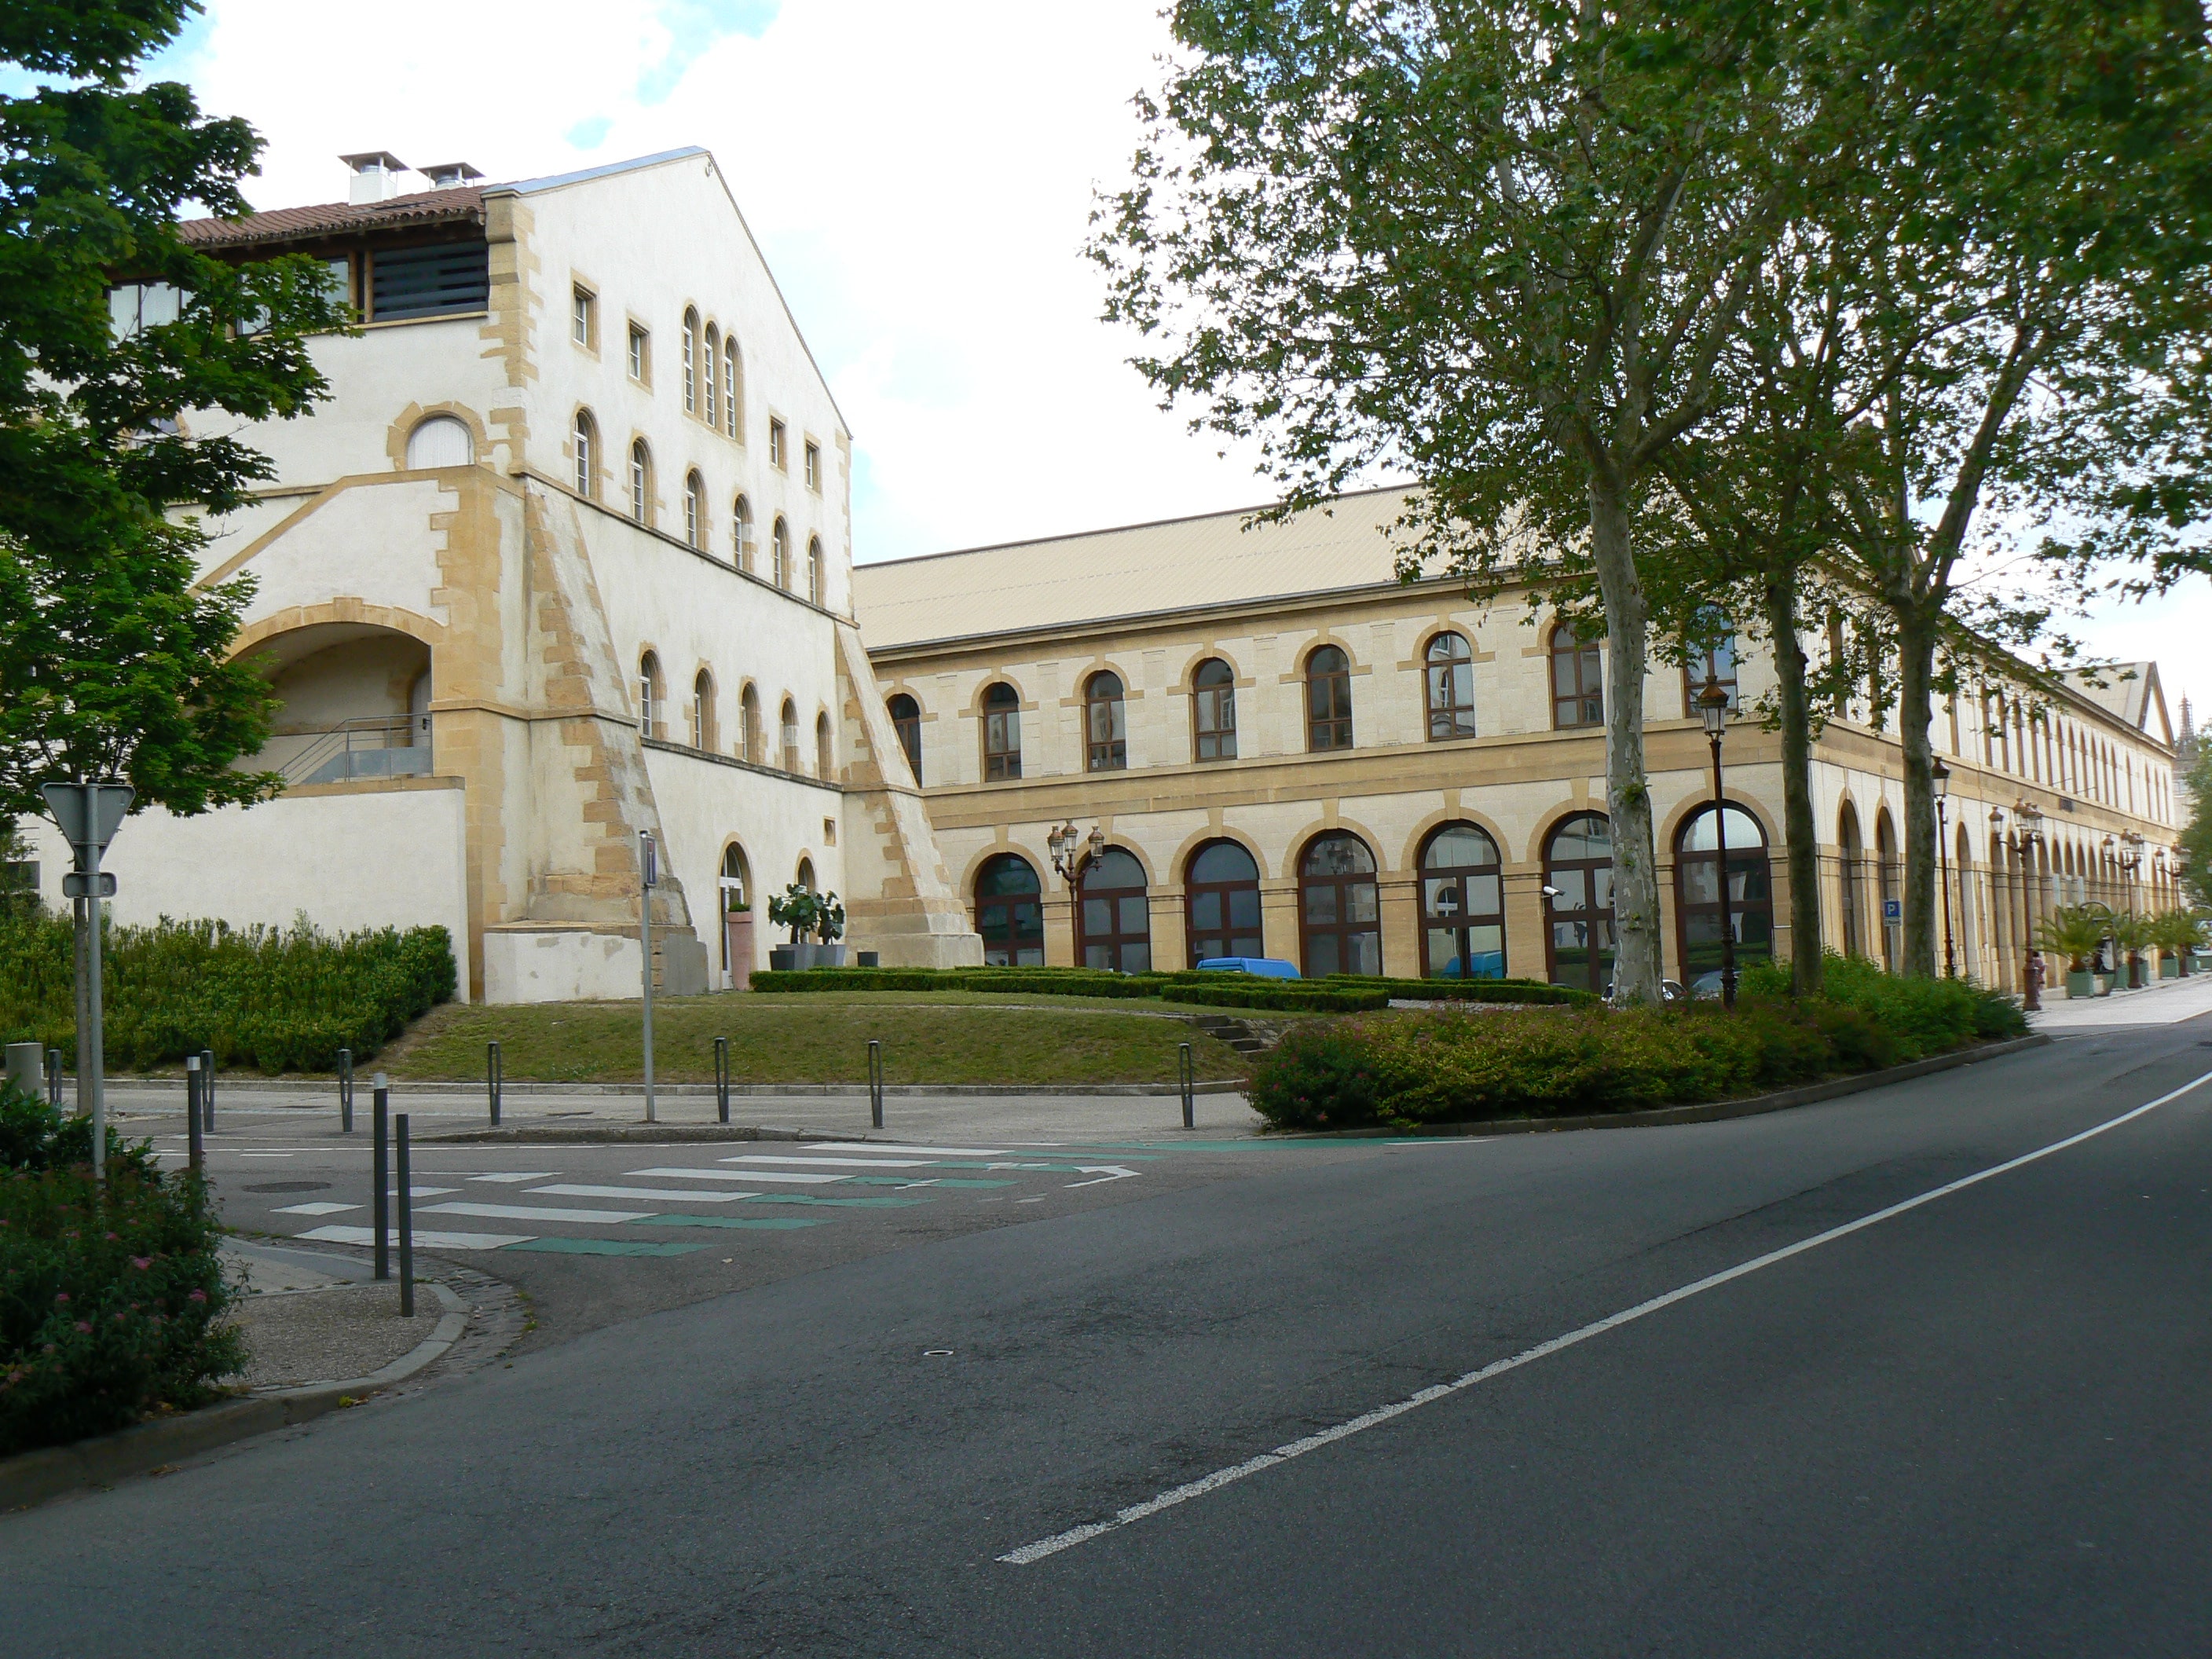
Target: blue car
(1264, 967)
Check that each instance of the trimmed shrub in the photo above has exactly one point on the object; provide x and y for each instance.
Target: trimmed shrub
(1920, 1016)
(280, 999)
(1519, 991)
(1288, 996)
(1320, 1076)
(110, 1301)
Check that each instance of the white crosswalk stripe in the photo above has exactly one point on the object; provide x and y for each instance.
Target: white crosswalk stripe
(512, 1175)
(427, 1241)
(534, 1213)
(841, 1163)
(791, 1177)
(928, 1151)
(662, 1193)
(315, 1209)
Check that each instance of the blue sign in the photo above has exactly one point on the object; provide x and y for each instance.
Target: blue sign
(1893, 909)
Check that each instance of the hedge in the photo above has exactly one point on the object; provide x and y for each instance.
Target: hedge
(277, 998)
(110, 1302)
(1211, 987)
(1285, 996)
(1472, 990)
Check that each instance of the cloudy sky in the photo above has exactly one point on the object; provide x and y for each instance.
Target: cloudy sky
(920, 175)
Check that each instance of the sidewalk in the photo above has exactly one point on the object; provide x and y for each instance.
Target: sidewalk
(2162, 1002)
(313, 1318)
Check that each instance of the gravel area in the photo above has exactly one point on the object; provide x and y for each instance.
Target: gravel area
(329, 1335)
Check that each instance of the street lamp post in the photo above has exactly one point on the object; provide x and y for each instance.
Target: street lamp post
(1713, 707)
(1940, 776)
(1068, 847)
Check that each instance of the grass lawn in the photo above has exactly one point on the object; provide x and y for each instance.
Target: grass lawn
(928, 1037)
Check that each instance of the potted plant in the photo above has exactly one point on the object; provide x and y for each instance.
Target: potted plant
(737, 936)
(2073, 931)
(2176, 932)
(2131, 932)
(829, 929)
(799, 909)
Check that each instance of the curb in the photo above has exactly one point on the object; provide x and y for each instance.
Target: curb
(516, 1093)
(33, 1477)
(1708, 1112)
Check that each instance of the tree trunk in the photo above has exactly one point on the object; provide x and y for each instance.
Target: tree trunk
(1800, 832)
(1636, 963)
(1916, 651)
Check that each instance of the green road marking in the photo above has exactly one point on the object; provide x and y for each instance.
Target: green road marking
(836, 1203)
(926, 1181)
(601, 1247)
(768, 1221)
(969, 1184)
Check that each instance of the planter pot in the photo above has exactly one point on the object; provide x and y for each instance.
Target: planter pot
(2136, 979)
(782, 958)
(829, 956)
(870, 959)
(737, 941)
(2169, 967)
(2103, 985)
(2080, 983)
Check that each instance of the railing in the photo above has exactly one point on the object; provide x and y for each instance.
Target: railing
(375, 746)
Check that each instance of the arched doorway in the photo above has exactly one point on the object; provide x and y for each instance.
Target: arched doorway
(1849, 889)
(1009, 913)
(353, 704)
(1462, 905)
(1889, 889)
(736, 884)
(1578, 883)
(1339, 924)
(1113, 919)
(1697, 897)
(1221, 903)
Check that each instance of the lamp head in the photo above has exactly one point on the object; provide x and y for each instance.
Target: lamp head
(1713, 707)
(1997, 817)
(1097, 843)
(1940, 776)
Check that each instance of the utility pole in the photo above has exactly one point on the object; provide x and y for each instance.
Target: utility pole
(648, 866)
(89, 814)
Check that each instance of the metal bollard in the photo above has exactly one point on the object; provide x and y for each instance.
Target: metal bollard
(207, 1087)
(196, 1156)
(345, 1092)
(722, 1079)
(406, 1223)
(1189, 1109)
(876, 1083)
(54, 1077)
(380, 1171)
(492, 1081)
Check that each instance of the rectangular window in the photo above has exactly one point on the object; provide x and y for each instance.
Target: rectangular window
(134, 306)
(582, 318)
(639, 360)
(776, 443)
(446, 279)
(814, 467)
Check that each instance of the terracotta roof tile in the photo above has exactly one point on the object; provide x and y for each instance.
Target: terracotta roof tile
(428, 207)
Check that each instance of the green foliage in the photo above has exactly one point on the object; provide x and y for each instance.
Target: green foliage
(2195, 838)
(111, 662)
(1211, 989)
(278, 999)
(2074, 932)
(1528, 991)
(110, 1301)
(807, 913)
(2177, 930)
(1285, 996)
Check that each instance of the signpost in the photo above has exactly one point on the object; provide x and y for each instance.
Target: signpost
(90, 814)
(648, 864)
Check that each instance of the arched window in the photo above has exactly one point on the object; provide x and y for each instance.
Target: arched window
(1213, 711)
(1577, 681)
(741, 533)
(1009, 913)
(806, 874)
(1105, 724)
(1850, 890)
(1717, 660)
(1578, 873)
(814, 570)
(707, 375)
(825, 754)
(749, 718)
(703, 711)
(690, 363)
(1698, 895)
(640, 480)
(780, 551)
(906, 721)
(695, 509)
(1463, 904)
(650, 695)
(730, 387)
(790, 734)
(1002, 733)
(1328, 699)
(737, 947)
(1113, 919)
(1339, 927)
(1221, 903)
(1448, 687)
(587, 451)
(1890, 889)
(442, 440)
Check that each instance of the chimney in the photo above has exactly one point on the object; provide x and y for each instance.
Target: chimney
(450, 175)
(375, 176)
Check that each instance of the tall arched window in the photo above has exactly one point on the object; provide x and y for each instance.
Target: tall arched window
(1328, 699)
(790, 734)
(707, 375)
(690, 363)
(1890, 889)
(906, 721)
(650, 696)
(703, 711)
(695, 509)
(1850, 890)
(741, 533)
(1009, 913)
(749, 718)
(1105, 724)
(737, 885)
(1463, 904)
(1578, 873)
(1113, 918)
(1698, 895)
(1213, 711)
(1717, 661)
(587, 455)
(1447, 687)
(1577, 680)
(1221, 903)
(1002, 733)
(640, 480)
(825, 754)
(1339, 924)
(730, 387)
(814, 570)
(806, 874)
(780, 551)
(442, 440)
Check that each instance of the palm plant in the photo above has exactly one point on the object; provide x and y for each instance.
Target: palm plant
(2177, 932)
(2073, 931)
(2131, 932)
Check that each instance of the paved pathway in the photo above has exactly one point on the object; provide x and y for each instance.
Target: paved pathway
(2165, 1002)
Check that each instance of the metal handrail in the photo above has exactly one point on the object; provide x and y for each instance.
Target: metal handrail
(334, 749)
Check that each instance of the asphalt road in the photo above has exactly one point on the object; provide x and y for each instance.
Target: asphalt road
(1975, 1426)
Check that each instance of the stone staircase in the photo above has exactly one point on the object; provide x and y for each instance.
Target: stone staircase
(1247, 1039)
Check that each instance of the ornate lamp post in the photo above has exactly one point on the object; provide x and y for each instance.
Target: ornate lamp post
(1940, 776)
(1068, 847)
(1713, 707)
(2031, 837)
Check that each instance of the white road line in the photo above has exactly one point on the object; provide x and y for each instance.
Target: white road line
(517, 1174)
(931, 1151)
(792, 1178)
(841, 1163)
(427, 1241)
(1329, 1437)
(538, 1212)
(660, 1193)
(315, 1209)
(426, 1192)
